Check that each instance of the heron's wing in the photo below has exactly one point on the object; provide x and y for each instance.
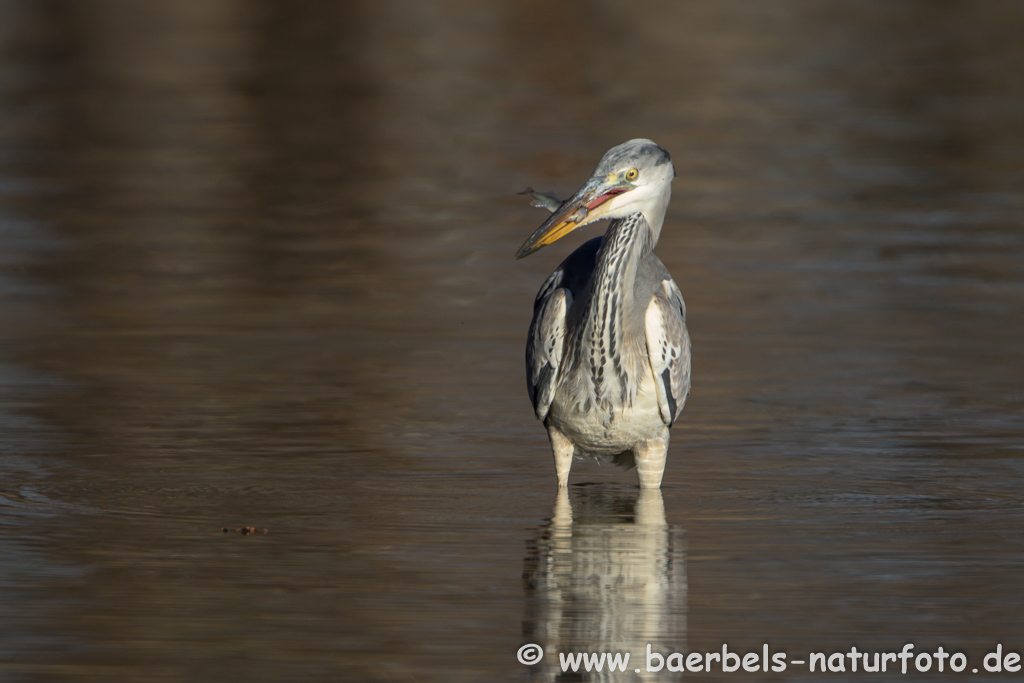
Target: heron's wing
(546, 342)
(668, 346)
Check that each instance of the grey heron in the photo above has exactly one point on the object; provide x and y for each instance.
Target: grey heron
(608, 353)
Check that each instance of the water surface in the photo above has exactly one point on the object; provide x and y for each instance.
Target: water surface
(256, 270)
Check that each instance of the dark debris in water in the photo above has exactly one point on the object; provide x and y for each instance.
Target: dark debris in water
(245, 530)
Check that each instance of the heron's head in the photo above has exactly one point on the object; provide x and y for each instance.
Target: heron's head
(634, 177)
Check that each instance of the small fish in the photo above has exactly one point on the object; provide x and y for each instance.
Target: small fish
(543, 201)
(578, 215)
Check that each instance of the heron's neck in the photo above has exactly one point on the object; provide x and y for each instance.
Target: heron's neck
(626, 243)
(603, 339)
(654, 211)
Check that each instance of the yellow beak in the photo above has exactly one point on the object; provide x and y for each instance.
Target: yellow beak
(586, 206)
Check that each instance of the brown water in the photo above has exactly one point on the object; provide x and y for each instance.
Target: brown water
(256, 270)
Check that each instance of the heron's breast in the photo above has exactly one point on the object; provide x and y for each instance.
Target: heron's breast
(609, 425)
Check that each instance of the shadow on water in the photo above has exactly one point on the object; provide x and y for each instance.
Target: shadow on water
(606, 575)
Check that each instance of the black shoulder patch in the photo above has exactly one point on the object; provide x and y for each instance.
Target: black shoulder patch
(542, 381)
(666, 378)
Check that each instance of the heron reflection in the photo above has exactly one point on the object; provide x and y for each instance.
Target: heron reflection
(606, 574)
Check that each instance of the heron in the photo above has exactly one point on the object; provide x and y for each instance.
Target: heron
(608, 352)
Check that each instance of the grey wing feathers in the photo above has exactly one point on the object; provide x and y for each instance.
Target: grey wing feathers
(546, 343)
(668, 346)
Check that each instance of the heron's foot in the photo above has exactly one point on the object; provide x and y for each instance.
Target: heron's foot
(650, 458)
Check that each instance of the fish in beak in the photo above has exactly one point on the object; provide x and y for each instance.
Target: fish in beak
(590, 203)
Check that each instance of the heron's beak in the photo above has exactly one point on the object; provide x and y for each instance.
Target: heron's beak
(586, 206)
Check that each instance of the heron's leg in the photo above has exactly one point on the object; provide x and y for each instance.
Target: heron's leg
(563, 449)
(650, 459)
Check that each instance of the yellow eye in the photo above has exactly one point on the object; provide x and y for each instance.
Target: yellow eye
(632, 174)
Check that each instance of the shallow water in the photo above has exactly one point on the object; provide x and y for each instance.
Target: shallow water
(256, 270)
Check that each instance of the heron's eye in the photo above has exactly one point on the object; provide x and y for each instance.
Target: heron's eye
(632, 174)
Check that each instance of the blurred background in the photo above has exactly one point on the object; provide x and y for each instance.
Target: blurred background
(256, 269)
